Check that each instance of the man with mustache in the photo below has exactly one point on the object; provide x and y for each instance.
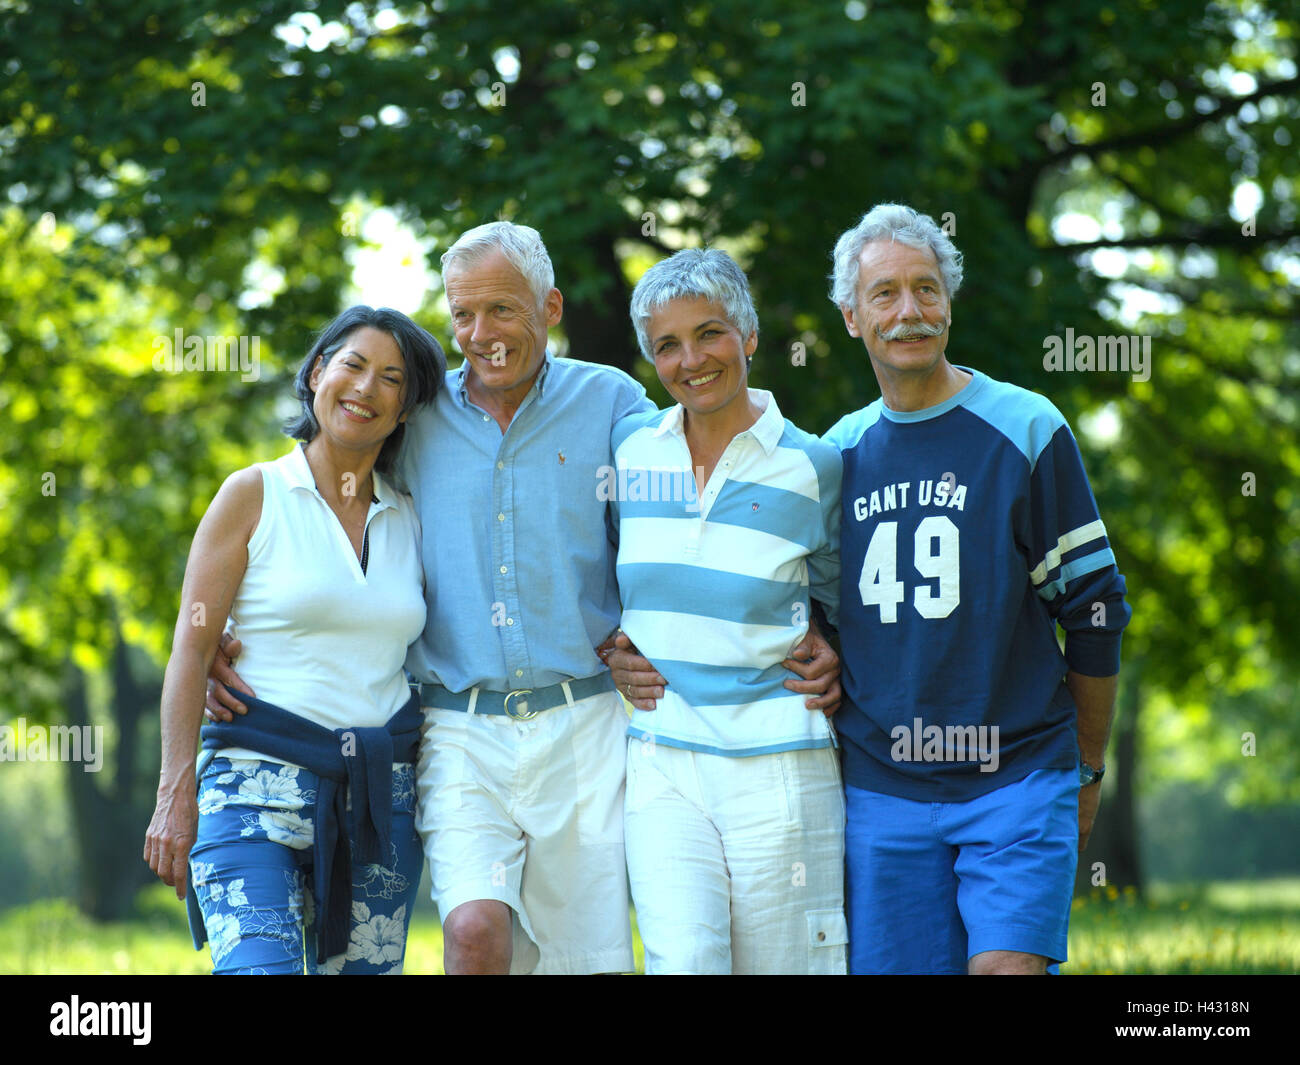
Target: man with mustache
(973, 748)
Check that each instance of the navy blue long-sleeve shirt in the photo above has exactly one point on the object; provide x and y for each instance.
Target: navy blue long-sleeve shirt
(968, 533)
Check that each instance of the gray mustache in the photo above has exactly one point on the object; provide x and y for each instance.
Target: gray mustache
(912, 330)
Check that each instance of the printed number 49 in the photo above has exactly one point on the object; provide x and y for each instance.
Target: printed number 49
(879, 583)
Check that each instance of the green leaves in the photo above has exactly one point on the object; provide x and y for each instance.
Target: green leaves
(752, 125)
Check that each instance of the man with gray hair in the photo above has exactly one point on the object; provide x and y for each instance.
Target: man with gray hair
(521, 782)
(973, 748)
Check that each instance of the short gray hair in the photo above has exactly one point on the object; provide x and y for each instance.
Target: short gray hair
(694, 273)
(521, 245)
(891, 221)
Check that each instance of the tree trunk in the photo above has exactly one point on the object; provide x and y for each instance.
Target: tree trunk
(109, 821)
(597, 326)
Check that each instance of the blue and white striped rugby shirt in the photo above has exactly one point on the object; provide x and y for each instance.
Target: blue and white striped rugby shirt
(715, 589)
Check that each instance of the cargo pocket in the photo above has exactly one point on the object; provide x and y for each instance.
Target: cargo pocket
(828, 937)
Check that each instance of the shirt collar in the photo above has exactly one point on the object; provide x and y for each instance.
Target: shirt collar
(672, 422)
(540, 383)
(767, 430)
(770, 426)
(298, 473)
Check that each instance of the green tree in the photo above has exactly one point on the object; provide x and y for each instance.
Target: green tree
(201, 167)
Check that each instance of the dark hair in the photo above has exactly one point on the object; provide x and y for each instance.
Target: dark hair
(426, 367)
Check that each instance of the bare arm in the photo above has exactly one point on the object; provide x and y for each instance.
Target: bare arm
(213, 573)
(1094, 698)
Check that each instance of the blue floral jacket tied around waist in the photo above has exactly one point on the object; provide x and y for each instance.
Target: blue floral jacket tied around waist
(356, 762)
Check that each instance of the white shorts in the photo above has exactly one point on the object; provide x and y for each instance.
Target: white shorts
(737, 864)
(530, 813)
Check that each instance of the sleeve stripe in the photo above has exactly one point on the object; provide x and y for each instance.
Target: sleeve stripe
(1094, 530)
(1078, 568)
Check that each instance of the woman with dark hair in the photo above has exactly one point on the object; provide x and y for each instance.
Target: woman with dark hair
(300, 842)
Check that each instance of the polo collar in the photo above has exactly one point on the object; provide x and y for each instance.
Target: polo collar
(672, 422)
(768, 430)
(297, 472)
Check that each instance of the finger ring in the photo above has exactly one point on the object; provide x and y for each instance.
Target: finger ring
(627, 688)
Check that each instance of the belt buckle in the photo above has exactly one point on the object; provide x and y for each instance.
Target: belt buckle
(525, 714)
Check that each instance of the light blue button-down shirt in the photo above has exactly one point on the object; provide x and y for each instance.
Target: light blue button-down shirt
(517, 544)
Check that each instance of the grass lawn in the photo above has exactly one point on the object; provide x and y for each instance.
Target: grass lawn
(1224, 927)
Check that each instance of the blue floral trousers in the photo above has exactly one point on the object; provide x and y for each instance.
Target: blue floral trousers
(251, 868)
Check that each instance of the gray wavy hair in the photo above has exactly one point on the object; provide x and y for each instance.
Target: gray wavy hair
(521, 245)
(694, 273)
(891, 221)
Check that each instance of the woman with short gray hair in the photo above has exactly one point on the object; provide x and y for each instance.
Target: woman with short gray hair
(734, 814)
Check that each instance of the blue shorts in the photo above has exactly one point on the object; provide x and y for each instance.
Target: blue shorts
(931, 884)
(251, 872)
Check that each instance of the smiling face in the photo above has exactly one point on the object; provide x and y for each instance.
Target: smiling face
(900, 295)
(499, 326)
(359, 392)
(700, 357)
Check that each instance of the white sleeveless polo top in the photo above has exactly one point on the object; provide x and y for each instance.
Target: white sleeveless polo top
(321, 638)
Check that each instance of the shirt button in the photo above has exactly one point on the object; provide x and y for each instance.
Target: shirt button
(501, 465)
(501, 517)
(510, 621)
(485, 417)
(821, 937)
(519, 672)
(503, 569)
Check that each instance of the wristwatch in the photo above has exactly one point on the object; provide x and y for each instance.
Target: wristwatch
(1089, 775)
